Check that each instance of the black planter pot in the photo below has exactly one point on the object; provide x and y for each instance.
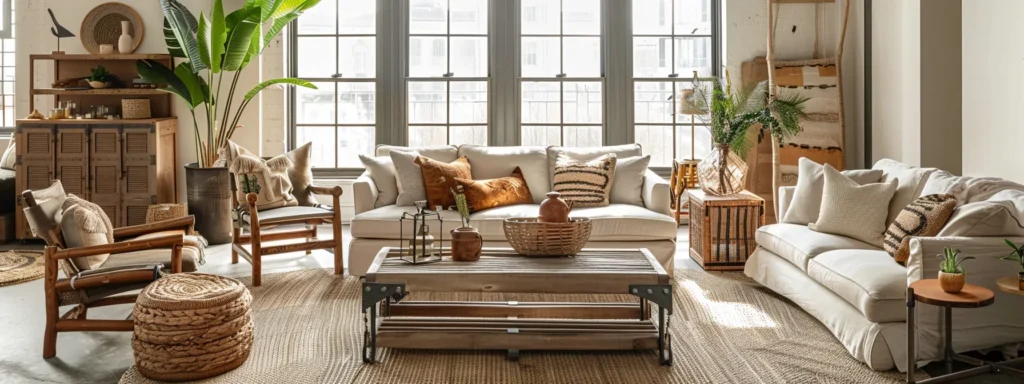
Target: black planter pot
(209, 200)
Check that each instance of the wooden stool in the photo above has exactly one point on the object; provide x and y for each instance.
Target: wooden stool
(191, 326)
(972, 296)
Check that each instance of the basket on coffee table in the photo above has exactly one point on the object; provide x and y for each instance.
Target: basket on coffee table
(530, 237)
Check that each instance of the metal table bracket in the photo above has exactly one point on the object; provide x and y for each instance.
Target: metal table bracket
(373, 294)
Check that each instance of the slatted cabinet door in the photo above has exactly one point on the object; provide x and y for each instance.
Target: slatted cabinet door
(105, 170)
(72, 160)
(34, 165)
(138, 163)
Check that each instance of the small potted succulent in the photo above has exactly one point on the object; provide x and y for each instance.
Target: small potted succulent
(100, 77)
(951, 272)
(1017, 255)
(466, 240)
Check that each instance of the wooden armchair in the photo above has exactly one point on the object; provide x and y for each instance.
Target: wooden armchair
(139, 255)
(250, 225)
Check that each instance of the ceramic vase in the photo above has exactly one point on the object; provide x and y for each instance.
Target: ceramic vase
(124, 43)
(466, 244)
(951, 282)
(554, 209)
(722, 172)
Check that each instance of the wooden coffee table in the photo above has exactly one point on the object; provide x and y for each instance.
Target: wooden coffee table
(514, 326)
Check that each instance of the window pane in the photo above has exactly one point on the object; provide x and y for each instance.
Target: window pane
(469, 56)
(469, 17)
(358, 57)
(428, 16)
(541, 57)
(581, 137)
(468, 102)
(693, 54)
(476, 135)
(693, 17)
(541, 102)
(317, 57)
(352, 142)
(422, 136)
(652, 56)
(356, 103)
(582, 56)
(315, 106)
(657, 142)
(701, 140)
(323, 144)
(541, 136)
(582, 102)
(320, 19)
(540, 17)
(428, 102)
(358, 17)
(581, 17)
(428, 56)
(652, 17)
(653, 102)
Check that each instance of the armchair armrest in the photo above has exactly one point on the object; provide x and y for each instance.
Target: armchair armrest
(365, 193)
(333, 191)
(923, 263)
(186, 223)
(656, 193)
(173, 241)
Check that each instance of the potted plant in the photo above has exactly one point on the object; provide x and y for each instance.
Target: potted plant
(1017, 255)
(213, 49)
(951, 272)
(99, 77)
(730, 113)
(466, 240)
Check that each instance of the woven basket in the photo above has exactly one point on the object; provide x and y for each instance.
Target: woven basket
(530, 237)
(135, 109)
(161, 212)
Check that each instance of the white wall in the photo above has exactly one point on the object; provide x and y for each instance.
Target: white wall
(993, 88)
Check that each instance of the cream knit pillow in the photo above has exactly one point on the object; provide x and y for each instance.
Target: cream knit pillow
(853, 210)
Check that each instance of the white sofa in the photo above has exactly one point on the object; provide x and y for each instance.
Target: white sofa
(858, 291)
(376, 224)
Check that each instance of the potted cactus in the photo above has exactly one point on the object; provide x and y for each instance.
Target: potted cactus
(951, 272)
(1017, 255)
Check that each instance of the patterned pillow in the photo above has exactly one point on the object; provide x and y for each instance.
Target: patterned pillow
(924, 217)
(84, 224)
(439, 179)
(586, 183)
(267, 178)
(493, 193)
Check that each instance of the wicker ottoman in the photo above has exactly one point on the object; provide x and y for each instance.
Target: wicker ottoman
(191, 326)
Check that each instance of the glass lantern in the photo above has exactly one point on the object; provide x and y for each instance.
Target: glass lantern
(421, 247)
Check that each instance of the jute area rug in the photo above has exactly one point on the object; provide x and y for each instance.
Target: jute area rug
(725, 330)
(17, 267)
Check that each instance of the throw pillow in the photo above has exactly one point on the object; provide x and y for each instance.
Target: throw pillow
(924, 217)
(493, 193)
(9, 157)
(84, 224)
(628, 185)
(382, 172)
(267, 178)
(810, 183)
(409, 178)
(585, 183)
(439, 180)
(300, 174)
(853, 210)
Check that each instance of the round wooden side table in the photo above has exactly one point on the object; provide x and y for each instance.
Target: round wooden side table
(1010, 285)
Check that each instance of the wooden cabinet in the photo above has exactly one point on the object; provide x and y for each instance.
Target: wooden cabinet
(122, 166)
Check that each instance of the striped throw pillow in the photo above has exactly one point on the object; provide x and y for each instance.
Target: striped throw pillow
(924, 217)
(585, 183)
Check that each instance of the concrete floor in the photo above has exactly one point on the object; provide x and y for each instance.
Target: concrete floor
(101, 357)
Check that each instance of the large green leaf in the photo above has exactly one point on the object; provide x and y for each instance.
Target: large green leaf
(288, 6)
(241, 25)
(277, 26)
(192, 82)
(184, 27)
(172, 42)
(203, 39)
(286, 81)
(218, 35)
(157, 73)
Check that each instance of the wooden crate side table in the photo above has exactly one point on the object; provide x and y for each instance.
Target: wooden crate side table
(722, 229)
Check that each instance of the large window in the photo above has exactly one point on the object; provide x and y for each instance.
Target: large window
(335, 47)
(671, 41)
(561, 72)
(7, 66)
(448, 72)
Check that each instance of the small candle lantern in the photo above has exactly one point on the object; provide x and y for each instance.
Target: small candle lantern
(421, 246)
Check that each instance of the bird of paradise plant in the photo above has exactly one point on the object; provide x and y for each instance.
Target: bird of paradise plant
(214, 47)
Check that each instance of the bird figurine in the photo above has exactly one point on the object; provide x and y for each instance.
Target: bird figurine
(58, 30)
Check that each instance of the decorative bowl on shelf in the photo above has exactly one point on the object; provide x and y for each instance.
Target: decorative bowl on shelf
(530, 237)
(99, 84)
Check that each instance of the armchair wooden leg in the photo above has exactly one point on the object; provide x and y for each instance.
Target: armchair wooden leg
(50, 286)
(339, 266)
(312, 238)
(176, 258)
(255, 241)
(234, 240)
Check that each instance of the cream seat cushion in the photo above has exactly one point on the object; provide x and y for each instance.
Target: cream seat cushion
(189, 257)
(614, 222)
(383, 223)
(867, 279)
(799, 244)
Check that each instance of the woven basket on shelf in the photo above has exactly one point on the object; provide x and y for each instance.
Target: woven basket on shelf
(530, 237)
(161, 212)
(135, 109)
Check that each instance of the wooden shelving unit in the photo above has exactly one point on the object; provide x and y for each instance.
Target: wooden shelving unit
(106, 91)
(66, 66)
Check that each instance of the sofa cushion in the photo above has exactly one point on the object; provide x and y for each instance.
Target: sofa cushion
(628, 185)
(495, 162)
(1000, 215)
(503, 191)
(854, 210)
(445, 153)
(439, 180)
(615, 222)
(585, 183)
(382, 172)
(800, 244)
(383, 223)
(805, 205)
(867, 279)
(911, 181)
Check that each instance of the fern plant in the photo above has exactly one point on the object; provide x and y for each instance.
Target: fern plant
(1017, 255)
(951, 261)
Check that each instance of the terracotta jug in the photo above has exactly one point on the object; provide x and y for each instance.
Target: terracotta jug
(554, 209)
(466, 244)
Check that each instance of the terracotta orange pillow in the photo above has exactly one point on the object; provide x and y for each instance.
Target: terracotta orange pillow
(493, 193)
(439, 179)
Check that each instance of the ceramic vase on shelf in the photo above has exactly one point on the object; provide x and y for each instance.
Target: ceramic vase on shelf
(554, 209)
(722, 172)
(124, 43)
(951, 282)
(466, 244)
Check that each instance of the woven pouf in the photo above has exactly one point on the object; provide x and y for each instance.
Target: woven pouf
(191, 326)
